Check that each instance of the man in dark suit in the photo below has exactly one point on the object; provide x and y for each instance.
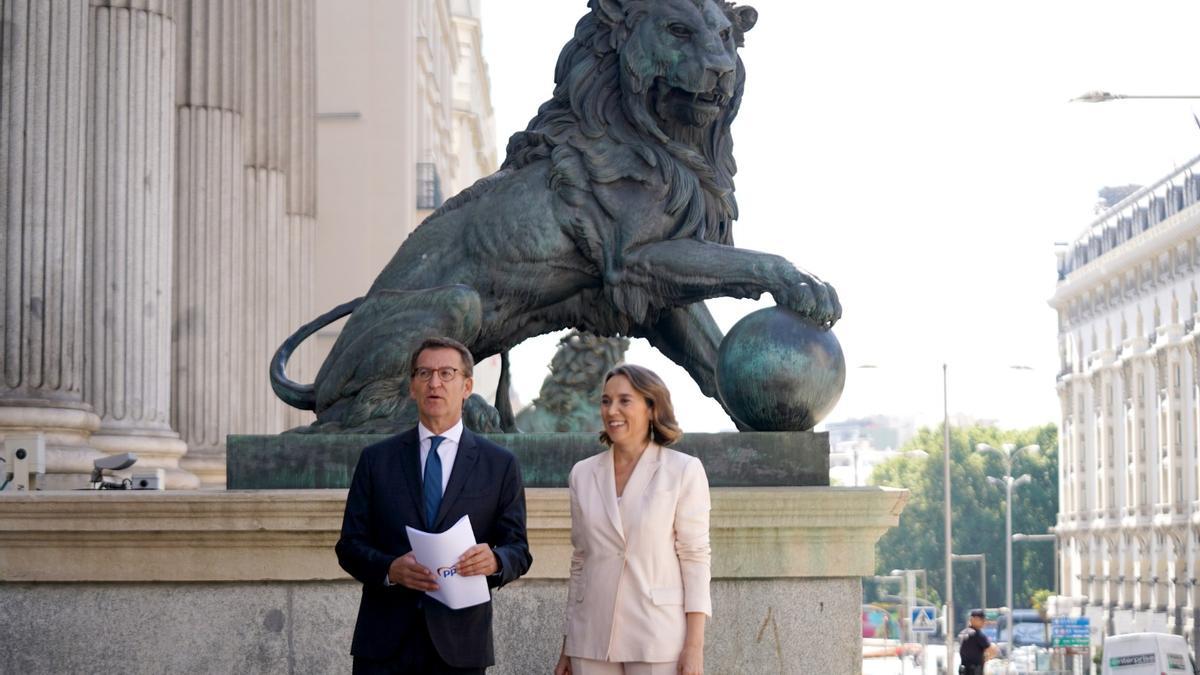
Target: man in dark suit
(428, 478)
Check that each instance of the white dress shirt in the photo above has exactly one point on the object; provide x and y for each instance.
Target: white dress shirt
(448, 449)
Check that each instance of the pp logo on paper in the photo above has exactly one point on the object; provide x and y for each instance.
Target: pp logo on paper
(445, 572)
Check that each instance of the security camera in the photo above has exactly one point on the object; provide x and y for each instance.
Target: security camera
(110, 463)
(154, 480)
(24, 461)
(115, 462)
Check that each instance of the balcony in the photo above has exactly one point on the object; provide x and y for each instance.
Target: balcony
(1135, 511)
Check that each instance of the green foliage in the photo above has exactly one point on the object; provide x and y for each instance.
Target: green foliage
(977, 512)
(1039, 599)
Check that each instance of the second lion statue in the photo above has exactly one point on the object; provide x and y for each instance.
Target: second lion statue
(612, 213)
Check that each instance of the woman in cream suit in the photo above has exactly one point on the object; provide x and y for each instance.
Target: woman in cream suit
(638, 596)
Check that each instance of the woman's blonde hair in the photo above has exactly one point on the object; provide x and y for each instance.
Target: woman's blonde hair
(664, 430)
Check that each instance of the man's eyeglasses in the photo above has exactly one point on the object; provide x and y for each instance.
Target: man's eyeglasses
(446, 374)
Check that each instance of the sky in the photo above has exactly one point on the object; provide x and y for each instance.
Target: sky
(923, 158)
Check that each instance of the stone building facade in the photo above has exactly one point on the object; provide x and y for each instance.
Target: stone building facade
(158, 216)
(1129, 387)
(404, 122)
(158, 205)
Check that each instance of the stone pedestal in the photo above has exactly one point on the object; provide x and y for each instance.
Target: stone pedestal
(43, 122)
(731, 459)
(248, 581)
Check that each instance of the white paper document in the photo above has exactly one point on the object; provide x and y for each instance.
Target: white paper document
(438, 552)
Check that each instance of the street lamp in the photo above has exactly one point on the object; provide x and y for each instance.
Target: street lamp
(949, 561)
(1009, 453)
(1044, 537)
(949, 618)
(982, 560)
(1104, 96)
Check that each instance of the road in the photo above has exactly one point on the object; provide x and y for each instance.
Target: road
(894, 666)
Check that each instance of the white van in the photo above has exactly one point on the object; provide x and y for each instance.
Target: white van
(1146, 654)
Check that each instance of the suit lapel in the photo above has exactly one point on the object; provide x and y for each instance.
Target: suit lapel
(606, 486)
(635, 489)
(410, 464)
(464, 464)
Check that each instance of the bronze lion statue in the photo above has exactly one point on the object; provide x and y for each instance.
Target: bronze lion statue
(612, 214)
(570, 394)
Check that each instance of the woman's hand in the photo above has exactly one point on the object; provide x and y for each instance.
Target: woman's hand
(691, 660)
(564, 665)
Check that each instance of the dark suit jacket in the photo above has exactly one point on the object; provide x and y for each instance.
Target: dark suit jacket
(385, 496)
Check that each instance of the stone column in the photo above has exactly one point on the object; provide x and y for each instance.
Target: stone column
(210, 236)
(43, 118)
(130, 176)
(246, 216)
(300, 163)
(279, 139)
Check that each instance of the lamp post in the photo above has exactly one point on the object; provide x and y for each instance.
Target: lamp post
(949, 618)
(947, 518)
(982, 560)
(1104, 96)
(1044, 537)
(1009, 452)
(910, 601)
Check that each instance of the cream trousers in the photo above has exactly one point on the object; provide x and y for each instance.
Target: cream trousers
(590, 667)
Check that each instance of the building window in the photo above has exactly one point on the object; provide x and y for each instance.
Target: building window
(429, 186)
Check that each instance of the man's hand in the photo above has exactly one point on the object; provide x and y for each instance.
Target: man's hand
(409, 573)
(479, 559)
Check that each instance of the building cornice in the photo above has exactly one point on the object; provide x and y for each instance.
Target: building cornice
(1155, 241)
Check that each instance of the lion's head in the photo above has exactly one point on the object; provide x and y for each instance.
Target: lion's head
(683, 53)
(650, 86)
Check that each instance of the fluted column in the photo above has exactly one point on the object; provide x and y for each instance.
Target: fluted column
(245, 222)
(279, 136)
(300, 163)
(130, 176)
(210, 236)
(43, 117)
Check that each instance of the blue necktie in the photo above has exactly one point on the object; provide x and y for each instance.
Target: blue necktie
(433, 481)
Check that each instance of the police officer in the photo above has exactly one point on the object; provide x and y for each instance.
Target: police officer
(975, 648)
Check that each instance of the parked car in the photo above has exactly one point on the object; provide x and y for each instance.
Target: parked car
(1029, 629)
(1146, 654)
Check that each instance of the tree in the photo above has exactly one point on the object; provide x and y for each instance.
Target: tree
(978, 512)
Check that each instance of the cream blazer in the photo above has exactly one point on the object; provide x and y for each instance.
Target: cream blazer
(638, 565)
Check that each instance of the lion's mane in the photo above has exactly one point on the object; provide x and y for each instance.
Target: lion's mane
(598, 129)
(606, 121)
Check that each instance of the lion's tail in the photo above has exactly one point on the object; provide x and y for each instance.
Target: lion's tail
(303, 396)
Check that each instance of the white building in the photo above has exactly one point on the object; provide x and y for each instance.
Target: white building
(1128, 510)
(404, 122)
(163, 168)
(858, 445)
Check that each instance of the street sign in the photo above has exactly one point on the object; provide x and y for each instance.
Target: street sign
(1070, 631)
(923, 620)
